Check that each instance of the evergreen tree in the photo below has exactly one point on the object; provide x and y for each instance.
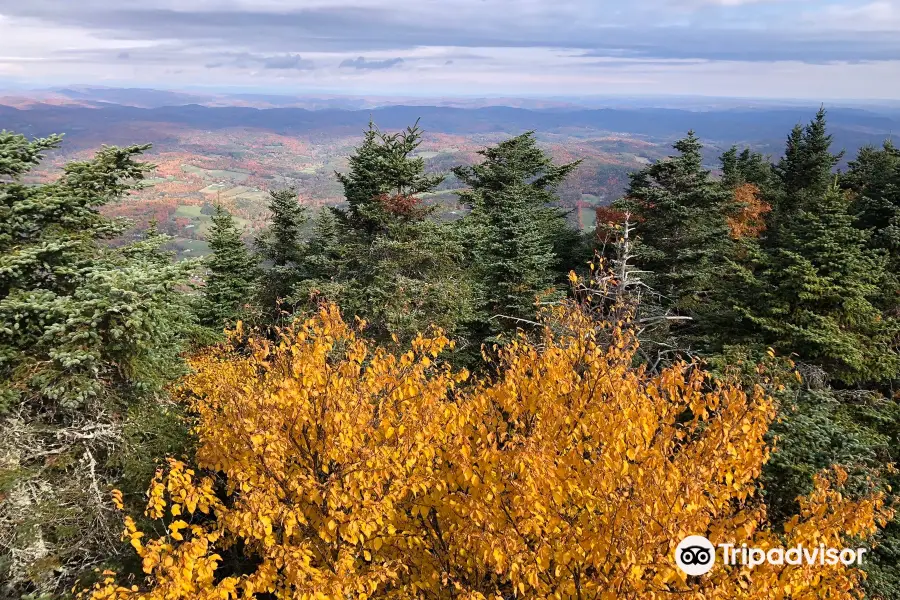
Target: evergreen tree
(790, 169)
(515, 232)
(682, 217)
(816, 295)
(746, 167)
(874, 182)
(811, 288)
(732, 176)
(281, 248)
(324, 252)
(324, 262)
(804, 173)
(231, 273)
(385, 180)
(89, 332)
(384, 258)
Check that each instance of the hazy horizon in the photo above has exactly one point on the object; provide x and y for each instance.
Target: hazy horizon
(202, 94)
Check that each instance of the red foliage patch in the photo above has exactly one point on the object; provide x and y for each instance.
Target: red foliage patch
(607, 215)
(400, 204)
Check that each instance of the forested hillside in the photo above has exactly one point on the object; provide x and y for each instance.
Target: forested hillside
(209, 155)
(370, 401)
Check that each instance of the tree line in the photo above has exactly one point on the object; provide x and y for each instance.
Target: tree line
(776, 281)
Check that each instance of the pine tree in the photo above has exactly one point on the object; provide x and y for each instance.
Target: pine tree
(231, 273)
(281, 248)
(516, 233)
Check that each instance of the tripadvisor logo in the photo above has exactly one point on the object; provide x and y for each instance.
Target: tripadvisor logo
(695, 555)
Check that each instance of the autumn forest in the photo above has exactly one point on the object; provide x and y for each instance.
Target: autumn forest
(369, 400)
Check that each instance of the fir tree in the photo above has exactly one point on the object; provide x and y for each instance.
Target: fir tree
(810, 288)
(515, 232)
(231, 273)
(384, 181)
(805, 171)
(324, 262)
(746, 167)
(790, 169)
(815, 295)
(324, 252)
(281, 243)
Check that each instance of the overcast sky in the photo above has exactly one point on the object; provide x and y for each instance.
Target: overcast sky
(819, 49)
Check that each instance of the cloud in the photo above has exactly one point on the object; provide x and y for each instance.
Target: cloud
(529, 42)
(248, 60)
(725, 3)
(287, 61)
(710, 29)
(750, 46)
(362, 63)
(871, 16)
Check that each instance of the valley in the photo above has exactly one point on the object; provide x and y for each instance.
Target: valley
(234, 155)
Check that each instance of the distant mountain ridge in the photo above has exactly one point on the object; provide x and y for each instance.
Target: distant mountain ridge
(851, 127)
(98, 96)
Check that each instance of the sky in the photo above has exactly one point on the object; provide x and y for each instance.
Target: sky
(807, 49)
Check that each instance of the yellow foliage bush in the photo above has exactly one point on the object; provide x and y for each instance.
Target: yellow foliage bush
(350, 472)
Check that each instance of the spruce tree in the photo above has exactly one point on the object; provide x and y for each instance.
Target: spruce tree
(89, 332)
(384, 181)
(874, 182)
(231, 275)
(804, 173)
(324, 255)
(281, 248)
(812, 285)
(516, 232)
(815, 295)
(682, 217)
(324, 264)
(810, 288)
(746, 167)
(385, 258)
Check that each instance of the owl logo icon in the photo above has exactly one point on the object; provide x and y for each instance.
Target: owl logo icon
(695, 555)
